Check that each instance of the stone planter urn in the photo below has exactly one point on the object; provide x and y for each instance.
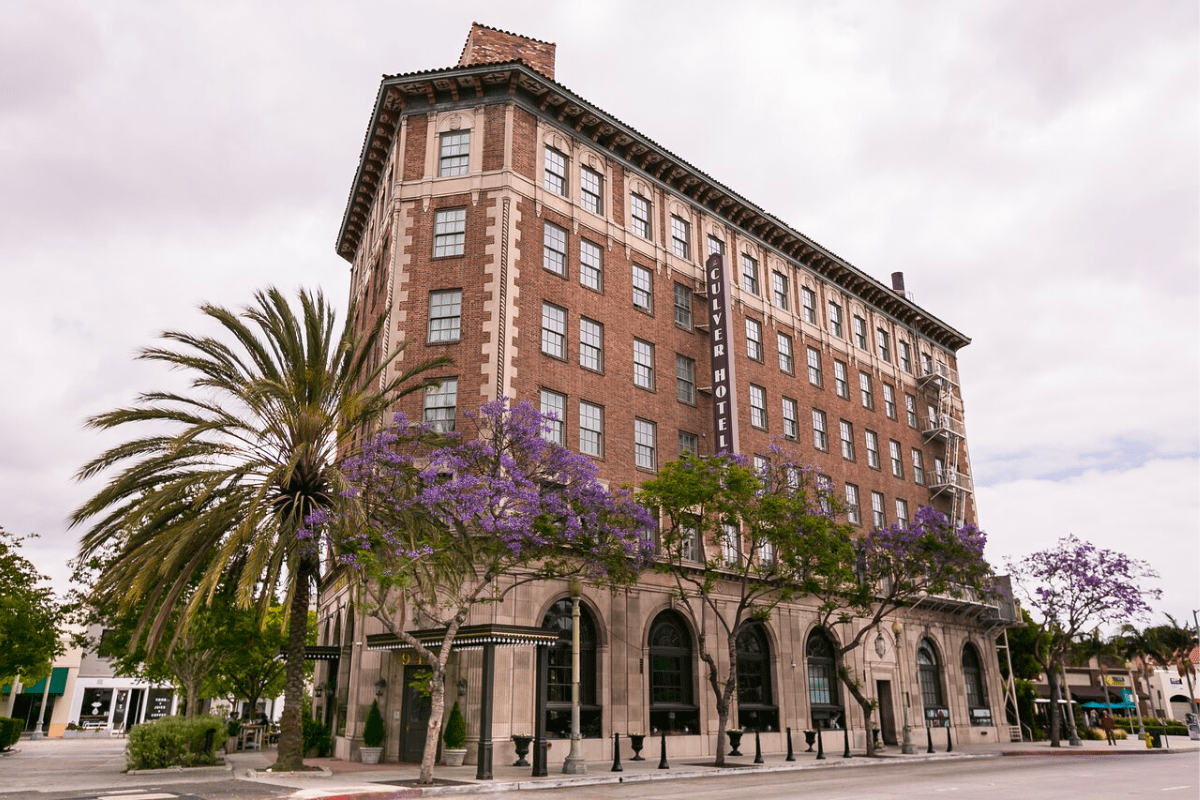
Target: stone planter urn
(453, 758)
(735, 741)
(521, 742)
(810, 738)
(370, 755)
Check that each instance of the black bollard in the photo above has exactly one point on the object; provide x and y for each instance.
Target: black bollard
(846, 739)
(758, 759)
(820, 746)
(616, 767)
(662, 761)
(791, 756)
(929, 737)
(949, 740)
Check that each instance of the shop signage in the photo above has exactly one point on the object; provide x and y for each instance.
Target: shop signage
(1116, 680)
(724, 406)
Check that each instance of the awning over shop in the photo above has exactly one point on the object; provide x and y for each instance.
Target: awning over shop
(1089, 694)
(58, 683)
(314, 652)
(469, 637)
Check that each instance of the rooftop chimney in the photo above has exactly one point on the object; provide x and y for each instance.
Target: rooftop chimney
(898, 283)
(488, 45)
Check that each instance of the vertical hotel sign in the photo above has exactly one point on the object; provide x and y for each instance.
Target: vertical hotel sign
(724, 407)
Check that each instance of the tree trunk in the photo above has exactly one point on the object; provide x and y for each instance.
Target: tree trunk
(290, 755)
(1054, 706)
(437, 709)
(192, 688)
(856, 692)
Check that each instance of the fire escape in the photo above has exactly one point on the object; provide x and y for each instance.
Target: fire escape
(943, 423)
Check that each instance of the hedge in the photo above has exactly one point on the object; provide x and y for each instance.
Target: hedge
(175, 742)
(1152, 726)
(10, 731)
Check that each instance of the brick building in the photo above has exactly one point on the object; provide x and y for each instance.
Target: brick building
(558, 256)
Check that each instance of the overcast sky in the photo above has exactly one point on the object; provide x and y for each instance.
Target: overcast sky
(1032, 168)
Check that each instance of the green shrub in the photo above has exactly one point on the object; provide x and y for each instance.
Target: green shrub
(1093, 734)
(316, 737)
(455, 736)
(174, 742)
(373, 729)
(10, 732)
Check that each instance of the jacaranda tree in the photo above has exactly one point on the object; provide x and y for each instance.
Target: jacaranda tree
(442, 526)
(861, 581)
(1074, 587)
(223, 476)
(733, 539)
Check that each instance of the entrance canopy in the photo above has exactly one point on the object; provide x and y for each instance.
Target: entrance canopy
(58, 683)
(468, 637)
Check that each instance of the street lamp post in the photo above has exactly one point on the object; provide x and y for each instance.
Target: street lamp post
(574, 764)
(906, 745)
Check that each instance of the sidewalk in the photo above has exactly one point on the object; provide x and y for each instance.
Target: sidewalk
(341, 779)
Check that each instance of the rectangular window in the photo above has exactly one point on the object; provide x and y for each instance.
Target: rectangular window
(853, 512)
(889, 401)
(749, 274)
(643, 364)
(715, 245)
(860, 332)
(688, 443)
(883, 344)
(453, 153)
(918, 465)
(591, 429)
(591, 265)
(840, 382)
(440, 404)
(754, 343)
(847, 433)
(730, 543)
(902, 512)
(877, 516)
(864, 390)
(926, 364)
(685, 379)
(591, 190)
(445, 315)
(681, 237)
(554, 410)
(808, 302)
(791, 422)
(779, 289)
(758, 406)
(835, 320)
(872, 440)
(591, 344)
(683, 306)
(825, 493)
(814, 366)
(645, 449)
(643, 289)
(896, 459)
(910, 410)
(639, 213)
(783, 343)
(554, 249)
(556, 171)
(905, 356)
(554, 331)
(939, 471)
(820, 431)
(449, 232)
(689, 541)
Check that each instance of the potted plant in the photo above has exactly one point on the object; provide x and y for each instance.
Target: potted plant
(373, 732)
(232, 728)
(522, 741)
(455, 738)
(735, 741)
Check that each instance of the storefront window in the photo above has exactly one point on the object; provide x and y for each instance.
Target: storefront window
(558, 678)
(672, 702)
(756, 709)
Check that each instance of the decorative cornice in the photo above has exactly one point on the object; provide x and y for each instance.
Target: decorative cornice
(399, 94)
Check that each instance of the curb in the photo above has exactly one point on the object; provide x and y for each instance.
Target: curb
(180, 770)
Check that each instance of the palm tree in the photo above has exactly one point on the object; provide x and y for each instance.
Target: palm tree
(224, 476)
(1167, 645)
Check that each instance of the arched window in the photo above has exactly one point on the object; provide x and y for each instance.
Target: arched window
(980, 711)
(756, 708)
(823, 698)
(929, 672)
(558, 677)
(672, 701)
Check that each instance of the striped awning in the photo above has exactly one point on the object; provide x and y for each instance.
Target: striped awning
(468, 637)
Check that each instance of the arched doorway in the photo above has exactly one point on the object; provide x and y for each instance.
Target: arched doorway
(824, 699)
(673, 706)
(977, 702)
(558, 677)
(756, 706)
(929, 675)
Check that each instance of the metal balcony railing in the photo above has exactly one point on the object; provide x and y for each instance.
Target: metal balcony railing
(949, 479)
(938, 372)
(941, 426)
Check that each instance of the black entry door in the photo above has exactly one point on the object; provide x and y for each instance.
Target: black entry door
(414, 717)
(887, 712)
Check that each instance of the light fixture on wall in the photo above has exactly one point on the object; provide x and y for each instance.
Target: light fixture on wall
(880, 645)
(380, 685)
(462, 687)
